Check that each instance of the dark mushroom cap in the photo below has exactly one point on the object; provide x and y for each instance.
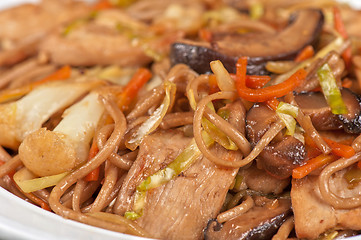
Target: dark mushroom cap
(284, 153)
(304, 29)
(256, 224)
(315, 105)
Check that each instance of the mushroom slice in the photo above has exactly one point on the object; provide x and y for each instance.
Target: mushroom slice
(284, 153)
(315, 105)
(258, 223)
(259, 47)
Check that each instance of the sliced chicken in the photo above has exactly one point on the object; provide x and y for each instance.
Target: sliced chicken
(313, 216)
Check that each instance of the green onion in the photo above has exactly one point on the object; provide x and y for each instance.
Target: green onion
(256, 10)
(330, 90)
(155, 119)
(217, 135)
(214, 132)
(180, 164)
(79, 22)
(287, 113)
(122, 3)
(28, 182)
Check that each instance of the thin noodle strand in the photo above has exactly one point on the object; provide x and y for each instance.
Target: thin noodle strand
(323, 182)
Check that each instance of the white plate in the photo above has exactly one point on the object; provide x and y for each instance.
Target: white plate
(22, 220)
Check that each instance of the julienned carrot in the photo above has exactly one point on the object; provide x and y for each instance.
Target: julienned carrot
(9, 94)
(347, 83)
(305, 53)
(93, 175)
(62, 73)
(205, 34)
(254, 81)
(131, 90)
(267, 93)
(312, 165)
(38, 201)
(102, 4)
(273, 103)
(41, 203)
(340, 28)
(213, 86)
(339, 149)
(338, 22)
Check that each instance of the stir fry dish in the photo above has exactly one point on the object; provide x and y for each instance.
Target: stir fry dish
(181, 119)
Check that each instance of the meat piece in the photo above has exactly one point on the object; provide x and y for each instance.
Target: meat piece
(256, 224)
(284, 153)
(184, 205)
(155, 152)
(105, 41)
(28, 19)
(313, 216)
(23, 27)
(315, 105)
(260, 48)
(258, 180)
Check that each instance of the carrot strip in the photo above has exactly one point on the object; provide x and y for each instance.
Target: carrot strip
(338, 22)
(312, 165)
(102, 4)
(347, 56)
(38, 201)
(347, 83)
(253, 81)
(213, 86)
(205, 35)
(273, 103)
(62, 73)
(359, 164)
(340, 28)
(305, 53)
(9, 94)
(93, 175)
(267, 93)
(339, 149)
(131, 90)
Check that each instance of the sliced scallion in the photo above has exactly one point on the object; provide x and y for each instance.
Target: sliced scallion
(330, 90)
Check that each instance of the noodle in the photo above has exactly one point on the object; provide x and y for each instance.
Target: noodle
(324, 178)
(150, 99)
(10, 165)
(33, 74)
(110, 179)
(209, 133)
(78, 191)
(177, 119)
(198, 136)
(285, 230)
(246, 205)
(17, 71)
(4, 155)
(109, 147)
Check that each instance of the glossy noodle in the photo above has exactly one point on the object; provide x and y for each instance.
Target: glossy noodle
(185, 119)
